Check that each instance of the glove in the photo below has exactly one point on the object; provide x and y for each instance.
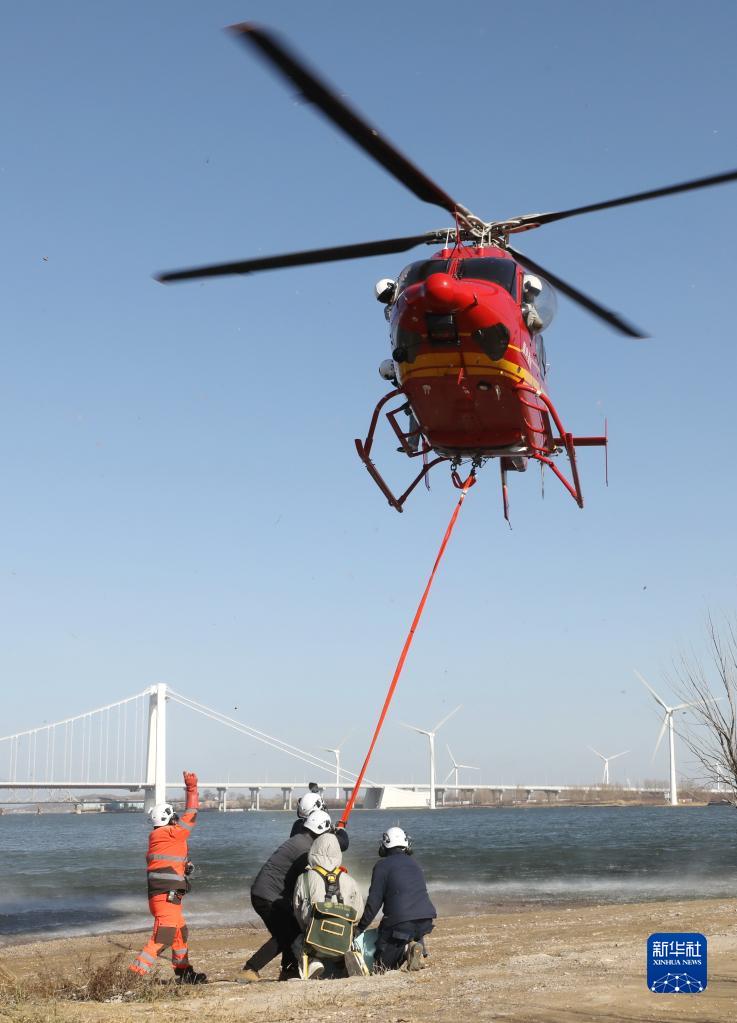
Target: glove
(193, 796)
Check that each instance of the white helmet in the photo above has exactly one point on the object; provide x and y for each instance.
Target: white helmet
(532, 284)
(385, 290)
(318, 822)
(308, 802)
(161, 814)
(395, 838)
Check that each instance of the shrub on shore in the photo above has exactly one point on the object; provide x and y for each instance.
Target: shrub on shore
(109, 981)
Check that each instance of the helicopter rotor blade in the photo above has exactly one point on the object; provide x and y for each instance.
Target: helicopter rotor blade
(613, 319)
(248, 266)
(326, 99)
(531, 220)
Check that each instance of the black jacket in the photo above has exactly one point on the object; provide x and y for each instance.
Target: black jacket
(298, 828)
(278, 876)
(397, 884)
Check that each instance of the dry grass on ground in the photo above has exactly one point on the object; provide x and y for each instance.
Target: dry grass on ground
(108, 980)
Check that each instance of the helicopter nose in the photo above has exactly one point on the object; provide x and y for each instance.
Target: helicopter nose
(444, 293)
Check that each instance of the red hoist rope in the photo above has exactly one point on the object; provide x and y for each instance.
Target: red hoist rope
(405, 649)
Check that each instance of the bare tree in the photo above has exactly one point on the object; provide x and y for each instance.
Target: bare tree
(713, 737)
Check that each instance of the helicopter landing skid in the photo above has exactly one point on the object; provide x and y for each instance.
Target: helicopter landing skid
(412, 444)
(565, 441)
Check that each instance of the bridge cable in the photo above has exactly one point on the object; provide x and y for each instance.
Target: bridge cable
(318, 763)
(405, 649)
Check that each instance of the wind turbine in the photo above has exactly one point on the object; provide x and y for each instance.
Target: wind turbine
(336, 750)
(430, 733)
(456, 767)
(667, 723)
(606, 760)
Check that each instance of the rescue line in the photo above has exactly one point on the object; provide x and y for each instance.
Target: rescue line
(464, 488)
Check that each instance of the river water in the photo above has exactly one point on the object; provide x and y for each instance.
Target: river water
(69, 874)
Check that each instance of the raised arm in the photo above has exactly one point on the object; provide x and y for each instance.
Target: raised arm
(189, 817)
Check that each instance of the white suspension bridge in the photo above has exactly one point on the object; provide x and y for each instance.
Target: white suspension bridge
(122, 747)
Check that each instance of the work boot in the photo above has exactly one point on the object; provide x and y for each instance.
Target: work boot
(186, 975)
(414, 956)
(250, 976)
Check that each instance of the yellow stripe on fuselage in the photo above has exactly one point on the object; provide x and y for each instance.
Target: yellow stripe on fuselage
(476, 364)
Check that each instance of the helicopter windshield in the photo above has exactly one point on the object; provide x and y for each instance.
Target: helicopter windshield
(420, 271)
(498, 271)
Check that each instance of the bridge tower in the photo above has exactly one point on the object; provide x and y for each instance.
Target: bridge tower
(155, 787)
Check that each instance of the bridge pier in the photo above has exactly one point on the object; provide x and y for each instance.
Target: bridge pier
(255, 793)
(155, 787)
(347, 789)
(441, 793)
(222, 800)
(286, 798)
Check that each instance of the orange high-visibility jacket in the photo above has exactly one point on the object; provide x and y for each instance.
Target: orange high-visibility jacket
(167, 851)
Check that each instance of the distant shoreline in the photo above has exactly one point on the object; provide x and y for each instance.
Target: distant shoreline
(30, 809)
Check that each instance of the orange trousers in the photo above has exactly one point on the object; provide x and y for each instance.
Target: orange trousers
(170, 931)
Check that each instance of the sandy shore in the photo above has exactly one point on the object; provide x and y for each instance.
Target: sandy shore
(565, 965)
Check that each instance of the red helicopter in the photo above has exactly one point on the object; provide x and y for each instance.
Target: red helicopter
(468, 358)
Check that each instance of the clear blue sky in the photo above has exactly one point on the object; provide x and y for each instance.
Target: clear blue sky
(181, 499)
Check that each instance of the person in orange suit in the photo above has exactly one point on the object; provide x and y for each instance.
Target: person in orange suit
(168, 868)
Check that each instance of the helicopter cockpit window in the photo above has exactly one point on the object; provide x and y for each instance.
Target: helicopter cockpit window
(539, 303)
(420, 271)
(497, 271)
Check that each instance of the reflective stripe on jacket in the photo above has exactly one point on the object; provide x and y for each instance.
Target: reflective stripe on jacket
(168, 854)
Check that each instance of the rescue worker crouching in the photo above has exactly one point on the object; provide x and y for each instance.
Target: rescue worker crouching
(398, 884)
(326, 881)
(168, 868)
(272, 892)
